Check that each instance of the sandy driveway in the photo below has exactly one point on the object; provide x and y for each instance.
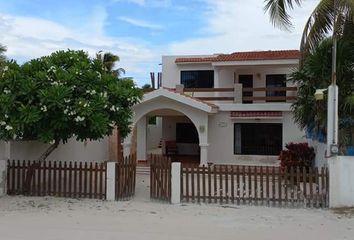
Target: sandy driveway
(53, 218)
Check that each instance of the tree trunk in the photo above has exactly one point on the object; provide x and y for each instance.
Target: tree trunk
(30, 171)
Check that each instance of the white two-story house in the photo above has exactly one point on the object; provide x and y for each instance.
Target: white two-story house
(223, 108)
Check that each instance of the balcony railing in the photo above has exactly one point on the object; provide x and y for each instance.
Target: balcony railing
(238, 94)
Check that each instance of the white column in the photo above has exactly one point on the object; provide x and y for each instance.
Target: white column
(341, 179)
(141, 139)
(4, 155)
(111, 181)
(3, 169)
(332, 118)
(176, 183)
(238, 93)
(203, 154)
(5, 150)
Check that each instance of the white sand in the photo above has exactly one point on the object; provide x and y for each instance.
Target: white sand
(34, 218)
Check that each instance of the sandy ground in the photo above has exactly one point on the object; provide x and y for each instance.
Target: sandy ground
(33, 218)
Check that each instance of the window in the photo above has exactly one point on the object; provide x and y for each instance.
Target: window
(247, 82)
(276, 80)
(197, 79)
(186, 133)
(258, 138)
(152, 120)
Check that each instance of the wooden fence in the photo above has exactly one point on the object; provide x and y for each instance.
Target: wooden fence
(268, 186)
(125, 183)
(160, 178)
(60, 179)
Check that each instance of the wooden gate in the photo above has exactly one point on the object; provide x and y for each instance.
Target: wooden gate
(160, 178)
(125, 183)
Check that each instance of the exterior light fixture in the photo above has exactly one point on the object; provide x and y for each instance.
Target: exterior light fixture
(319, 94)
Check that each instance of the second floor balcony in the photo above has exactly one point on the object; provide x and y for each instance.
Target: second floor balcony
(242, 95)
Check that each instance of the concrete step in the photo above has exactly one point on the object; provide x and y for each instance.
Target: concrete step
(142, 170)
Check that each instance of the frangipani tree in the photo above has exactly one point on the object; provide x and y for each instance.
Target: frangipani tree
(62, 96)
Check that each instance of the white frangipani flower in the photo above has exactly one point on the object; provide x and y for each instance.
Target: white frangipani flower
(8, 127)
(44, 108)
(7, 91)
(79, 119)
(2, 123)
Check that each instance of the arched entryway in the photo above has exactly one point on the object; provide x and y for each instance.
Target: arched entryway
(169, 133)
(172, 106)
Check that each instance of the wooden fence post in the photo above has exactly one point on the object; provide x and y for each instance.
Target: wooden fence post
(3, 174)
(176, 183)
(111, 181)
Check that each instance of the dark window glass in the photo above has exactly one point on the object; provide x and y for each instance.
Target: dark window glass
(276, 80)
(186, 133)
(197, 79)
(258, 138)
(247, 82)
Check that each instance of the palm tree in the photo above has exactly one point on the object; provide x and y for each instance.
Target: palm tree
(316, 74)
(109, 60)
(330, 17)
(2, 56)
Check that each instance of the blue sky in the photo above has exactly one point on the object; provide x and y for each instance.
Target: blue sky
(140, 31)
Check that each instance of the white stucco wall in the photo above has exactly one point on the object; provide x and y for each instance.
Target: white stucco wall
(95, 151)
(221, 139)
(341, 181)
(154, 134)
(320, 151)
(171, 72)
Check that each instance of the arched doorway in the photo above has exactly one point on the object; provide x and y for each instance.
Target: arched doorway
(165, 103)
(169, 133)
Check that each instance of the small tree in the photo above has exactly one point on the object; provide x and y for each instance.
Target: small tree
(62, 96)
(297, 155)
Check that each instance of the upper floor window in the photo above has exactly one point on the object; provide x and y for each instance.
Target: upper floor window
(275, 81)
(197, 79)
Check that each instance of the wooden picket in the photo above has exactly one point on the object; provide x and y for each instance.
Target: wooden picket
(125, 183)
(160, 178)
(60, 179)
(265, 186)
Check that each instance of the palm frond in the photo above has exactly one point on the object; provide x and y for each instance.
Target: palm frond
(318, 26)
(278, 12)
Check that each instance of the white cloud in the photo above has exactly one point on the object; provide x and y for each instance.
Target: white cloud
(149, 3)
(238, 25)
(28, 37)
(141, 23)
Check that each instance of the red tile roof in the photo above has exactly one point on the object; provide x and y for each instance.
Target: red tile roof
(245, 56)
(255, 114)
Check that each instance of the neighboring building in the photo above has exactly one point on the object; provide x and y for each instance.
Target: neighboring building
(224, 108)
